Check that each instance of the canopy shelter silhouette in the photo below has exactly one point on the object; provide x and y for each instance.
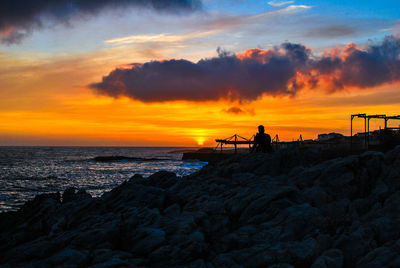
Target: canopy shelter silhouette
(235, 140)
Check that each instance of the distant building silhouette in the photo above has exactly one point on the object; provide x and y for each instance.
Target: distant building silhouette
(330, 137)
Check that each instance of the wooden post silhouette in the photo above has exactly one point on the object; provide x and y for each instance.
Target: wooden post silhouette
(235, 143)
(351, 130)
(365, 132)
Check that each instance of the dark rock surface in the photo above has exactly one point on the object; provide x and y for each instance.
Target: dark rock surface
(259, 210)
(210, 157)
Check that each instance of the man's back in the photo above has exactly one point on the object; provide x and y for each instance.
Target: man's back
(262, 142)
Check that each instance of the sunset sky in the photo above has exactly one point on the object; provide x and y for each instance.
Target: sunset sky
(183, 73)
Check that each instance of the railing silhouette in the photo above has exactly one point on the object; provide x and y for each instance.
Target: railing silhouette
(236, 140)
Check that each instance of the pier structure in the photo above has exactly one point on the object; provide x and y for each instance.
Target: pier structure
(235, 140)
(367, 118)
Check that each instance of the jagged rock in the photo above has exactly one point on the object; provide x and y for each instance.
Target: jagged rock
(286, 209)
(39, 249)
(305, 177)
(261, 204)
(110, 258)
(303, 251)
(163, 179)
(115, 261)
(332, 258)
(362, 205)
(148, 239)
(70, 194)
(199, 263)
(356, 244)
(298, 221)
(224, 260)
(281, 265)
(42, 203)
(173, 210)
(373, 161)
(315, 195)
(393, 156)
(69, 256)
(381, 257)
(136, 177)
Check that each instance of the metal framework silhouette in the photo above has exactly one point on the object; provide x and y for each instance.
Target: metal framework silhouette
(367, 118)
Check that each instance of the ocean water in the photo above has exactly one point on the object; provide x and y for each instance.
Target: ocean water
(27, 171)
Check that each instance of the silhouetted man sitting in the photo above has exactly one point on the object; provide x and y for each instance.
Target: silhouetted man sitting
(262, 141)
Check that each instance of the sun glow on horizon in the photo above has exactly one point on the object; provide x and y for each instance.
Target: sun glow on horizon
(46, 97)
(200, 141)
(97, 120)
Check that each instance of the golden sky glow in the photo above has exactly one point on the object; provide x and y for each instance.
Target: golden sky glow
(46, 102)
(45, 98)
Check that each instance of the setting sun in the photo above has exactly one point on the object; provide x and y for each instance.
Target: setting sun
(200, 141)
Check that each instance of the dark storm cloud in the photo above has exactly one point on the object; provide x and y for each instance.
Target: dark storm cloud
(283, 70)
(20, 17)
(225, 76)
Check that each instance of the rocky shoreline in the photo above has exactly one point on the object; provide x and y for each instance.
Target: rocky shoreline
(287, 209)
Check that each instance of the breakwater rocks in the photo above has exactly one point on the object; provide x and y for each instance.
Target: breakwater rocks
(281, 210)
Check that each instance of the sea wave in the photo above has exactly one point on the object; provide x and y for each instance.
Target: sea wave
(27, 171)
(114, 158)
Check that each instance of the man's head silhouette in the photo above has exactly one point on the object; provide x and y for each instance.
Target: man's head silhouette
(261, 129)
